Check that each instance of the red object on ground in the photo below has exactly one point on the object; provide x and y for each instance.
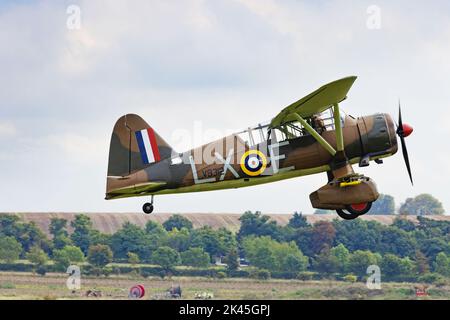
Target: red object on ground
(421, 293)
(137, 291)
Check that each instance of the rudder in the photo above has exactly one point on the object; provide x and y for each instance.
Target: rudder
(134, 146)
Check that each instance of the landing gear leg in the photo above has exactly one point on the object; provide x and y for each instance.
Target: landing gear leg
(148, 207)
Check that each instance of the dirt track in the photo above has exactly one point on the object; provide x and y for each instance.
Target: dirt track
(53, 286)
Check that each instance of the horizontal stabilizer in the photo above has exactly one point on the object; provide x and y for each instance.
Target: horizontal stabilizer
(146, 187)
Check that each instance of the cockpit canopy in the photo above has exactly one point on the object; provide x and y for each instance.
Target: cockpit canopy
(323, 121)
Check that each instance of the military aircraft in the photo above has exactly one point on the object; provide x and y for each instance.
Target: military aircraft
(307, 137)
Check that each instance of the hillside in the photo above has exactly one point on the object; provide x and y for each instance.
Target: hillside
(111, 222)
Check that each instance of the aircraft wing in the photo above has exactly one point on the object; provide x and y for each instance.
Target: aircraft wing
(315, 102)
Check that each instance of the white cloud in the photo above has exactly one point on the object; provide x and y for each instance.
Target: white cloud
(226, 64)
(275, 14)
(78, 148)
(80, 52)
(7, 130)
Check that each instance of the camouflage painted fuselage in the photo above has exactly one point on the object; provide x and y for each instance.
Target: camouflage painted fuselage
(220, 164)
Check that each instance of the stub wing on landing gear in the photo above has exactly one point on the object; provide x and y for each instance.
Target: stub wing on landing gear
(353, 194)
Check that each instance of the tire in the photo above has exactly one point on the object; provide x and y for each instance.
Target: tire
(346, 216)
(359, 209)
(354, 211)
(147, 208)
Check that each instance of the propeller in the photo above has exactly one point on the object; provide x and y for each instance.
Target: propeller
(404, 130)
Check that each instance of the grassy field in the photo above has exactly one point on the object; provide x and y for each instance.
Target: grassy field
(53, 286)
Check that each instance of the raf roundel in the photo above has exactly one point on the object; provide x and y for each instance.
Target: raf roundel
(253, 163)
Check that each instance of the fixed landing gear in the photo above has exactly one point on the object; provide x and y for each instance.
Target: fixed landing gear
(148, 207)
(353, 211)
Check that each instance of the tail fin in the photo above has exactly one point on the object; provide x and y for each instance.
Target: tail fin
(135, 145)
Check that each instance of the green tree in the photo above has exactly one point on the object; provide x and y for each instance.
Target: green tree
(258, 225)
(433, 228)
(422, 264)
(166, 257)
(442, 264)
(157, 236)
(58, 226)
(303, 239)
(385, 204)
(358, 234)
(432, 247)
(10, 249)
(298, 220)
(9, 225)
(396, 268)
(325, 262)
(423, 204)
(216, 242)
(403, 223)
(82, 229)
(267, 253)
(294, 263)
(156, 229)
(74, 254)
(67, 256)
(332, 260)
(37, 256)
(60, 241)
(342, 256)
(133, 258)
(227, 241)
(131, 238)
(100, 255)
(178, 240)
(177, 221)
(232, 260)
(96, 237)
(397, 241)
(195, 257)
(323, 234)
(58, 229)
(263, 258)
(27, 234)
(360, 260)
(30, 236)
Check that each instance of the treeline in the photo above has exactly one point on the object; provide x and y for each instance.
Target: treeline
(340, 249)
(422, 205)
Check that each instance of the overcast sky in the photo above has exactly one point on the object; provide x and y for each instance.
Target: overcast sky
(208, 67)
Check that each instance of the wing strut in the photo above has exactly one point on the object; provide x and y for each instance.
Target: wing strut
(319, 138)
(315, 134)
(338, 128)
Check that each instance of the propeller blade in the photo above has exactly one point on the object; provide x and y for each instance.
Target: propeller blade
(400, 122)
(401, 134)
(406, 158)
